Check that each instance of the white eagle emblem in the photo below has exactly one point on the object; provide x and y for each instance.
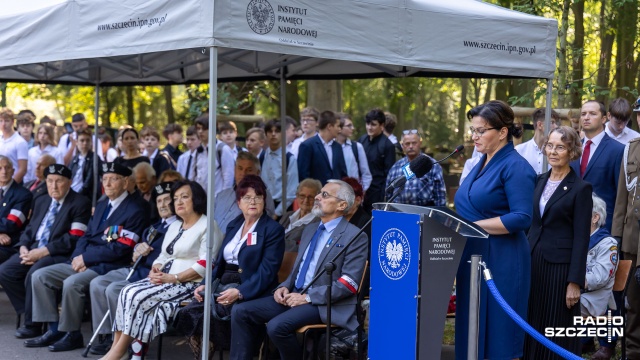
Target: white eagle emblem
(52, 169)
(394, 254)
(159, 189)
(105, 167)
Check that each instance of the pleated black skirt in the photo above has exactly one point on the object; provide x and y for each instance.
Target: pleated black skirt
(547, 307)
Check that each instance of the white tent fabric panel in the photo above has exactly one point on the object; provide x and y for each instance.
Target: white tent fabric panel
(164, 41)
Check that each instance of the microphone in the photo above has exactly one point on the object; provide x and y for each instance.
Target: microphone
(457, 150)
(419, 167)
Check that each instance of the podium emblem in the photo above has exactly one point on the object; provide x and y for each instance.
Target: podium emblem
(394, 254)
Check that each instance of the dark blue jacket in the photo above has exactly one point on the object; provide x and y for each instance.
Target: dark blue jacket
(259, 263)
(142, 271)
(101, 255)
(603, 171)
(14, 209)
(313, 161)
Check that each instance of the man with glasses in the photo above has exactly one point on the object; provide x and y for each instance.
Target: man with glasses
(619, 115)
(309, 124)
(320, 157)
(532, 150)
(113, 231)
(428, 190)
(288, 309)
(381, 156)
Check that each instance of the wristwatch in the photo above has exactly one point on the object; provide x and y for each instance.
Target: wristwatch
(307, 298)
(177, 280)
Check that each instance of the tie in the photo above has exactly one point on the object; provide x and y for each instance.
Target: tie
(1, 194)
(188, 167)
(307, 260)
(105, 215)
(35, 185)
(48, 224)
(585, 158)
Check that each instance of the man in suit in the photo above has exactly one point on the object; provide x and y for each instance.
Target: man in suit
(625, 228)
(601, 156)
(320, 157)
(288, 309)
(15, 202)
(381, 156)
(113, 231)
(105, 289)
(59, 218)
(82, 165)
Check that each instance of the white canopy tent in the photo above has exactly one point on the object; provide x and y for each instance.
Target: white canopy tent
(119, 42)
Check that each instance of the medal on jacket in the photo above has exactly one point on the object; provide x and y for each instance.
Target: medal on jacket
(111, 233)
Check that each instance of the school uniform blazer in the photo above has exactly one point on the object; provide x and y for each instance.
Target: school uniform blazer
(14, 209)
(87, 173)
(313, 161)
(258, 264)
(562, 232)
(346, 278)
(69, 225)
(101, 255)
(603, 171)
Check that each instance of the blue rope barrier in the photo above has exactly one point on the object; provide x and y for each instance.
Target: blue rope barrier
(523, 324)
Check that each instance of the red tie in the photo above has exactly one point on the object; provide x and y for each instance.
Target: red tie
(585, 158)
(35, 185)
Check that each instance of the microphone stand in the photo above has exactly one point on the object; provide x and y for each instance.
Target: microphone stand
(330, 267)
(152, 234)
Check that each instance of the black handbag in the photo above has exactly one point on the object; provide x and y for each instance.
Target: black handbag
(219, 311)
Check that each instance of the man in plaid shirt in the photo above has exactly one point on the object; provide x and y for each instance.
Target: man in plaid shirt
(428, 190)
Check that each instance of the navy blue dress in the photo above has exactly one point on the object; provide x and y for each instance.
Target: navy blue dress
(503, 188)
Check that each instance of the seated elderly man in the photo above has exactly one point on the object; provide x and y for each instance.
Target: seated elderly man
(113, 231)
(15, 202)
(288, 309)
(106, 288)
(59, 218)
(226, 205)
(602, 262)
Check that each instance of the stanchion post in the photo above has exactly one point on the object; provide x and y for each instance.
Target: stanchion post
(474, 308)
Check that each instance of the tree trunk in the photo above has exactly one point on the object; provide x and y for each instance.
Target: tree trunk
(462, 111)
(3, 96)
(604, 65)
(130, 116)
(626, 31)
(502, 89)
(108, 108)
(487, 93)
(563, 67)
(324, 94)
(292, 101)
(168, 104)
(577, 51)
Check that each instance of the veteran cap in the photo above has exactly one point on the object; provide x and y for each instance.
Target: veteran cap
(57, 169)
(111, 167)
(163, 188)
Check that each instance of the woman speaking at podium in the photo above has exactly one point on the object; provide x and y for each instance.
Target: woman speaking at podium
(497, 195)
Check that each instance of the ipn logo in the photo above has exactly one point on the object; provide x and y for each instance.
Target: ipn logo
(601, 326)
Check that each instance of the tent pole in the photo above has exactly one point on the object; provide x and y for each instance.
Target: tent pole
(283, 137)
(95, 142)
(213, 106)
(547, 120)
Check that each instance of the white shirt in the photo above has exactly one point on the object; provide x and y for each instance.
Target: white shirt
(183, 161)
(232, 249)
(393, 139)
(328, 149)
(352, 164)
(625, 136)
(534, 156)
(77, 181)
(225, 174)
(34, 154)
(15, 148)
(595, 141)
(271, 174)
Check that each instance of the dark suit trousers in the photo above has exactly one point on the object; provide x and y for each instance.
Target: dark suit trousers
(15, 279)
(6, 252)
(282, 322)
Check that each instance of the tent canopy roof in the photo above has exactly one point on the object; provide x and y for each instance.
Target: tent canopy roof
(117, 42)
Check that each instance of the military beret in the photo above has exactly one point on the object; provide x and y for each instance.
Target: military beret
(57, 169)
(163, 188)
(110, 167)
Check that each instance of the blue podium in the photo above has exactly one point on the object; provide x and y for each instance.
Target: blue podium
(415, 252)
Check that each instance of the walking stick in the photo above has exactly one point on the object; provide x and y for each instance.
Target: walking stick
(150, 238)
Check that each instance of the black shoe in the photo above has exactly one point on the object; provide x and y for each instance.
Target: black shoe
(47, 339)
(103, 347)
(70, 341)
(29, 331)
